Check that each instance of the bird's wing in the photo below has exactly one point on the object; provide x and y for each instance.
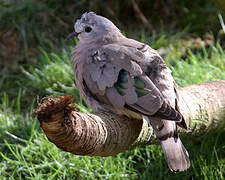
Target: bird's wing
(117, 73)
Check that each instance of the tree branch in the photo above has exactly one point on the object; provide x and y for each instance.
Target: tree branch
(142, 17)
(105, 133)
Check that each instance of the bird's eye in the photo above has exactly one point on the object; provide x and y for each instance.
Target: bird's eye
(88, 29)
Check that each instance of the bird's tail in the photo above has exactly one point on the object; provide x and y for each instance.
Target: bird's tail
(175, 154)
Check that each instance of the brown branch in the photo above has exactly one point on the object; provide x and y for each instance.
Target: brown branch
(142, 17)
(105, 133)
(59, 20)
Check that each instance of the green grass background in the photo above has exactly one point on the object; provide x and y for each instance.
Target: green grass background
(25, 152)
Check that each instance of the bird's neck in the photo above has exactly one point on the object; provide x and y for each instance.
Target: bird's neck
(109, 38)
(84, 46)
(112, 37)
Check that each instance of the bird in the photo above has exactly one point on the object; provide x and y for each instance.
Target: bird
(127, 77)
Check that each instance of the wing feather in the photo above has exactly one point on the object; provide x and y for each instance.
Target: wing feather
(104, 68)
(115, 98)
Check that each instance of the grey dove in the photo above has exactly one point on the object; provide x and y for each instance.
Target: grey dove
(129, 78)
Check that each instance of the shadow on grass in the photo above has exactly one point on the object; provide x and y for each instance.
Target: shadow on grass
(206, 154)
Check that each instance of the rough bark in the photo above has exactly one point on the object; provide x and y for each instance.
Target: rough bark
(105, 133)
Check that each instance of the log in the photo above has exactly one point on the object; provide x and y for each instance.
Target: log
(104, 133)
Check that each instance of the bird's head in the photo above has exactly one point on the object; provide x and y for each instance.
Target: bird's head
(92, 27)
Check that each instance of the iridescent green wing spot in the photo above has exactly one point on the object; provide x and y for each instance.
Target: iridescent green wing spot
(139, 87)
(122, 80)
(120, 85)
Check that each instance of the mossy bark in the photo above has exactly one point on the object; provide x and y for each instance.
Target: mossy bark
(105, 133)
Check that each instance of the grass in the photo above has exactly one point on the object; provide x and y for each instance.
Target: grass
(206, 65)
(27, 154)
(39, 29)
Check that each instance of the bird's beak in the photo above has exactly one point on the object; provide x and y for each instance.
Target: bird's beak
(73, 34)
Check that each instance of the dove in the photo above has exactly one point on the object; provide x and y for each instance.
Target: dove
(127, 77)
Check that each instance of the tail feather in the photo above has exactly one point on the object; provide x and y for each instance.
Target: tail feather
(167, 112)
(175, 154)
